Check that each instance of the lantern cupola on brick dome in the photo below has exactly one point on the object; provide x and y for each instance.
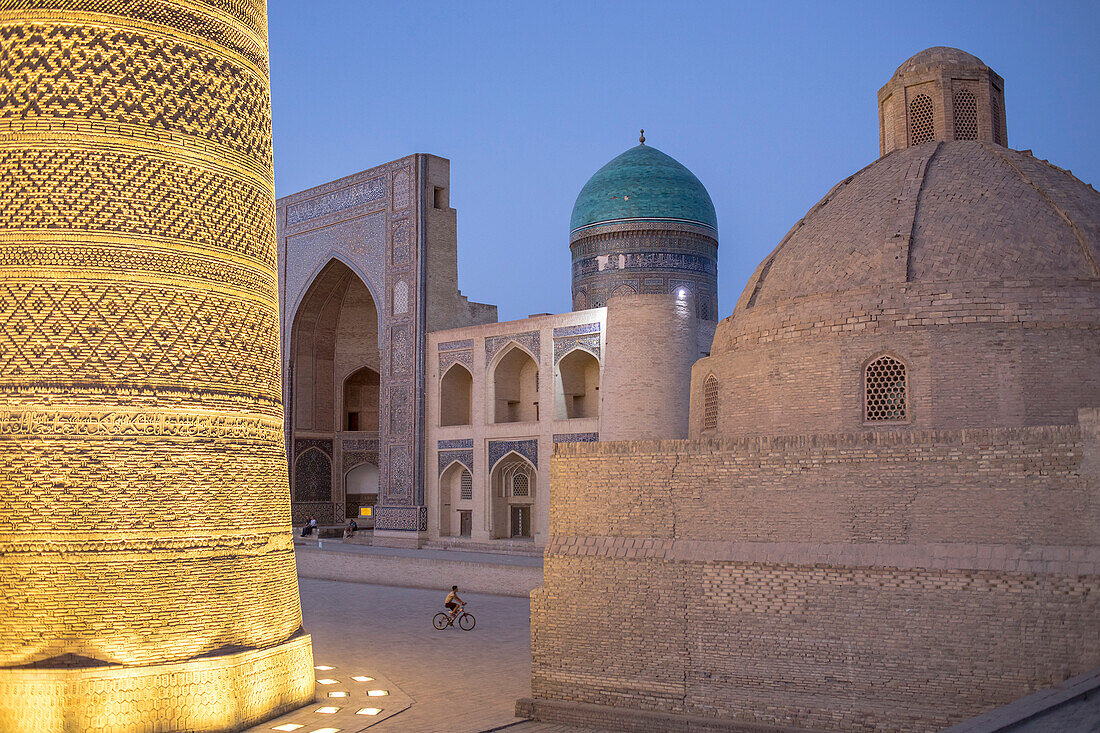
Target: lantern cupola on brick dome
(941, 93)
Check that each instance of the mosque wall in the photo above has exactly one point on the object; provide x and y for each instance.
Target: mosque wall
(633, 386)
(900, 580)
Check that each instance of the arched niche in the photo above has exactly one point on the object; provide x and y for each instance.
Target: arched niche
(577, 385)
(362, 390)
(313, 476)
(455, 498)
(513, 481)
(515, 387)
(335, 331)
(361, 488)
(456, 391)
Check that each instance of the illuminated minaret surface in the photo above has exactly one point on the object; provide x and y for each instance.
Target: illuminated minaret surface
(145, 551)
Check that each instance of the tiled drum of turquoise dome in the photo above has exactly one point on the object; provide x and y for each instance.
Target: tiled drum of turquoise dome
(644, 224)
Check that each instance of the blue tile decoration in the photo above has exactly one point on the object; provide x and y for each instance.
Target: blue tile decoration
(447, 457)
(455, 444)
(676, 261)
(368, 444)
(529, 449)
(399, 250)
(528, 339)
(355, 458)
(359, 242)
(643, 183)
(578, 330)
(301, 445)
(576, 437)
(361, 193)
(674, 285)
(563, 346)
(401, 518)
(450, 357)
(452, 345)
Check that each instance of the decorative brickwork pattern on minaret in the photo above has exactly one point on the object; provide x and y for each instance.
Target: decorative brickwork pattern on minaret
(145, 555)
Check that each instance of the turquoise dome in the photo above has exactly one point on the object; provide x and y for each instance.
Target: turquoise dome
(643, 183)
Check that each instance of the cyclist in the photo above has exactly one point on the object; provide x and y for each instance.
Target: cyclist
(453, 603)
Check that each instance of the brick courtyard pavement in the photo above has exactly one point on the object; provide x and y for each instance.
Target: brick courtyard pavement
(466, 682)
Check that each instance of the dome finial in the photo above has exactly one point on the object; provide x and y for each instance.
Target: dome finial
(641, 138)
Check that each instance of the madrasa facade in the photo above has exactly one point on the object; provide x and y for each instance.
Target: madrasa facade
(412, 409)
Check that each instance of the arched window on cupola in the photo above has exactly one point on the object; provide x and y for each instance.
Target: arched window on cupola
(966, 115)
(922, 126)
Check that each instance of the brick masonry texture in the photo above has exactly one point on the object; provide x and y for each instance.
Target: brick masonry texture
(979, 354)
(147, 572)
(894, 580)
(226, 692)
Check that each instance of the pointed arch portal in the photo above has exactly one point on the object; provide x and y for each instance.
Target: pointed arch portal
(335, 375)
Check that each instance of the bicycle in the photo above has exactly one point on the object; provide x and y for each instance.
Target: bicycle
(465, 620)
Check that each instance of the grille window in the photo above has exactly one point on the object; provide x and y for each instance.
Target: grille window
(885, 386)
(466, 486)
(520, 485)
(966, 115)
(921, 126)
(710, 402)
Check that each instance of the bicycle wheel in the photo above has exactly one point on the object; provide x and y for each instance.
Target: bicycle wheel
(466, 621)
(440, 621)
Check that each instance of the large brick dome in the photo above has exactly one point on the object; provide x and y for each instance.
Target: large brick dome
(938, 212)
(952, 283)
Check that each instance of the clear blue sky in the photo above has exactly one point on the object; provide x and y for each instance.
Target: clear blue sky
(768, 104)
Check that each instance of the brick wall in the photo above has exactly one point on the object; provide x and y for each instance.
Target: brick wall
(979, 354)
(882, 581)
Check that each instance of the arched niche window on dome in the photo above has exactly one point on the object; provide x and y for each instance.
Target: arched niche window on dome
(885, 390)
(922, 126)
(710, 402)
(455, 396)
(966, 115)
